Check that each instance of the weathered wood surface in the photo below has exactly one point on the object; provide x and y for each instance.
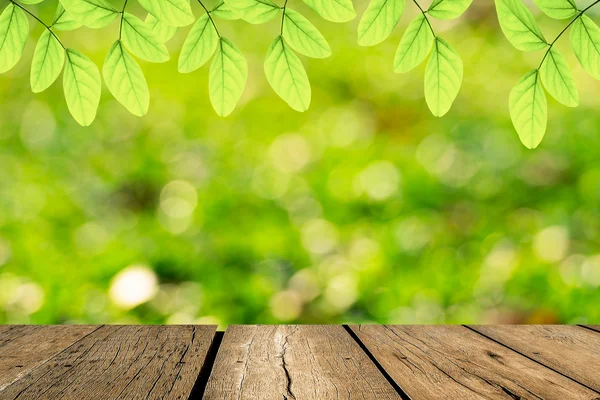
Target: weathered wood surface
(120, 362)
(571, 350)
(453, 362)
(300, 362)
(294, 362)
(23, 348)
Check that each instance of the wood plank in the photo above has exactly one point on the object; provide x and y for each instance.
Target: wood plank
(453, 362)
(294, 362)
(25, 347)
(572, 350)
(121, 362)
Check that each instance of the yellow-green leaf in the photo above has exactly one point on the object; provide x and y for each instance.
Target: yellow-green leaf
(14, 29)
(287, 76)
(199, 46)
(558, 9)
(379, 21)
(125, 80)
(558, 79)
(141, 41)
(415, 45)
(585, 40)
(162, 31)
(172, 12)
(63, 21)
(443, 77)
(448, 9)
(303, 37)
(254, 11)
(82, 86)
(228, 76)
(48, 61)
(529, 109)
(92, 13)
(519, 26)
(333, 10)
(222, 10)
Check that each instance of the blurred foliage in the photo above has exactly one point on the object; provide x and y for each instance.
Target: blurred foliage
(363, 209)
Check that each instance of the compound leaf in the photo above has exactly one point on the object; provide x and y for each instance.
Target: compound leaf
(141, 41)
(63, 21)
(222, 10)
(172, 12)
(14, 29)
(287, 75)
(228, 76)
(379, 21)
(199, 46)
(333, 10)
(125, 80)
(443, 77)
(254, 11)
(48, 61)
(82, 86)
(558, 9)
(162, 31)
(585, 40)
(529, 109)
(558, 79)
(92, 13)
(414, 46)
(519, 26)
(303, 36)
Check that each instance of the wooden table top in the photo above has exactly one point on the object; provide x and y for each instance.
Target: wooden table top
(299, 362)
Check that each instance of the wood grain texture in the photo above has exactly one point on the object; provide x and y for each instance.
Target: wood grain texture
(594, 327)
(453, 362)
(121, 362)
(25, 347)
(572, 350)
(294, 362)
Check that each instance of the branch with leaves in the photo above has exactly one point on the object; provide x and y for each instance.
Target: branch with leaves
(528, 103)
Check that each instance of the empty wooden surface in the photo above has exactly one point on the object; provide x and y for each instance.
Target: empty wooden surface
(439, 362)
(300, 362)
(294, 362)
(120, 362)
(571, 350)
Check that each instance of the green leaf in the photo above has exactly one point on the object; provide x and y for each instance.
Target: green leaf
(48, 61)
(415, 45)
(199, 46)
(379, 21)
(303, 37)
(141, 41)
(228, 75)
(162, 31)
(519, 26)
(222, 10)
(448, 9)
(92, 13)
(125, 80)
(82, 87)
(585, 40)
(30, 1)
(172, 12)
(443, 77)
(558, 79)
(529, 109)
(287, 76)
(558, 9)
(254, 11)
(333, 10)
(63, 21)
(14, 29)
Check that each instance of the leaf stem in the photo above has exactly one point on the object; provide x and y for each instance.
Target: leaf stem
(210, 17)
(284, 8)
(550, 45)
(40, 21)
(426, 18)
(121, 23)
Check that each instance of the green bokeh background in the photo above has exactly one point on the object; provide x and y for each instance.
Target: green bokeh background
(364, 209)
